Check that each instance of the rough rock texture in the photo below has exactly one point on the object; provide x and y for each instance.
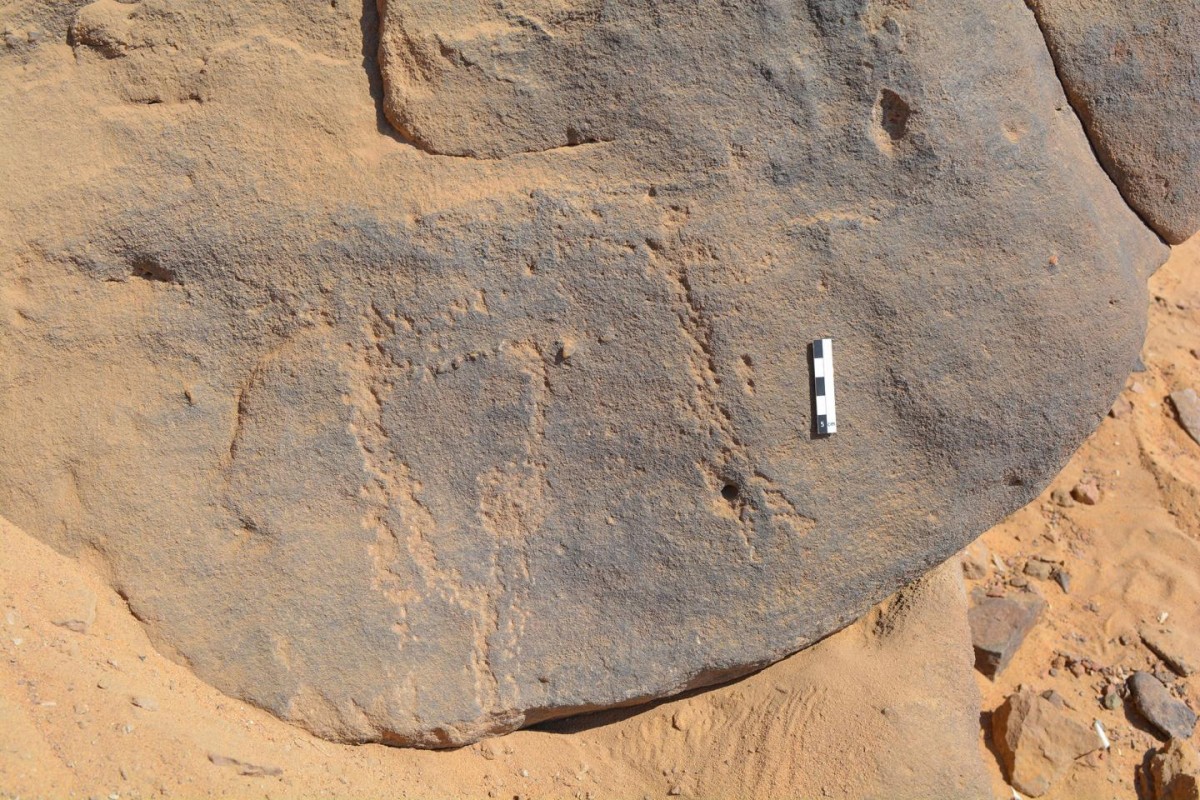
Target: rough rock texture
(1132, 72)
(998, 627)
(1169, 715)
(1038, 741)
(1174, 772)
(892, 695)
(417, 448)
(1179, 648)
(1187, 409)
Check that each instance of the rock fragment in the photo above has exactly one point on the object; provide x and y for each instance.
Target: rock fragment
(1037, 568)
(244, 767)
(1038, 741)
(1177, 649)
(976, 560)
(1173, 773)
(1062, 497)
(998, 627)
(1187, 407)
(1121, 408)
(1167, 714)
(1063, 579)
(1087, 491)
(144, 701)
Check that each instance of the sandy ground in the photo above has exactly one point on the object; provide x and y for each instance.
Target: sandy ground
(873, 711)
(1132, 557)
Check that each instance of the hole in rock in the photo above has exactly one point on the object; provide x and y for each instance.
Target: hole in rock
(149, 269)
(894, 112)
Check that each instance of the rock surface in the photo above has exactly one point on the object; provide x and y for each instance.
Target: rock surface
(1038, 742)
(976, 561)
(1187, 407)
(299, 389)
(1167, 714)
(896, 689)
(1178, 648)
(1174, 772)
(1132, 72)
(998, 627)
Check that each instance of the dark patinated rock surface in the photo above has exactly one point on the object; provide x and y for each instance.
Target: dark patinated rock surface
(1132, 73)
(423, 443)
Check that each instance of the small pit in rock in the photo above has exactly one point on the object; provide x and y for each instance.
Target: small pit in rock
(894, 113)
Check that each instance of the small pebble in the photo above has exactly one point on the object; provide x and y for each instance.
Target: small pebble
(1063, 579)
(1086, 492)
(1121, 408)
(144, 701)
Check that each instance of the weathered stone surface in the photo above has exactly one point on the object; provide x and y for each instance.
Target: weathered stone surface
(998, 627)
(976, 560)
(1168, 714)
(1038, 741)
(1187, 407)
(1174, 772)
(1132, 73)
(417, 448)
(1179, 649)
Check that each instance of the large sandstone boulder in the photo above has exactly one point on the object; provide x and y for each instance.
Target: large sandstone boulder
(1132, 73)
(422, 443)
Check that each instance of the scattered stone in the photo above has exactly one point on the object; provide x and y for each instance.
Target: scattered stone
(1169, 715)
(1087, 491)
(1036, 568)
(1173, 773)
(145, 702)
(975, 560)
(1177, 650)
(1063, 579)
(1038, 741)
(1187, 406)
(998, 627)
(1121, 408)
(1112, 697)
(245, 768)
(675, 790)
(1062, 498)
(1018, 581)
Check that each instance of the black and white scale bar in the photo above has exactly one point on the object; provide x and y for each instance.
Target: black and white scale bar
(822, 350)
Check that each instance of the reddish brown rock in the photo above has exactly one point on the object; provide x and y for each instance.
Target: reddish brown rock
(1187, 409)
(998, 627)
(1173, 773)
(1038, 741)
(1179, 649)
(1087, 492)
